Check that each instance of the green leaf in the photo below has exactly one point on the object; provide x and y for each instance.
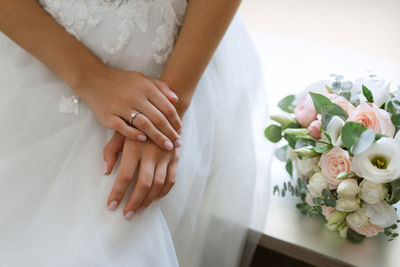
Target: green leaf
(351, 132)
(327, 136)
(379, 136)
(353, 236)
(367, 93)
(286, 104)
(394, 113)
(273, 133)
(320, 101)
(334, 110)
(285, 121)
(394, 192)
(366, 139)
(289, 167)
(322, 148)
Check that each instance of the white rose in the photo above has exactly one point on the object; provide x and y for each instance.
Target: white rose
(380, 162)
(306, 166)
(316, 184)
(357, 218)
(378, 87)
(347, 204)
(372, 193)
(334, 129)
(348, 188)
(381, 214)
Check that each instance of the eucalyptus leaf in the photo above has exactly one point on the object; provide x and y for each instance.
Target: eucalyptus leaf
(286, 104)
(367, 93)
(282, 153)
(273, 133)
(322, 148)
(351, 132)
(366, 139)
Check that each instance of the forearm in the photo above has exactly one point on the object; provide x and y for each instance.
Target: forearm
(204, 26)
(26, 23)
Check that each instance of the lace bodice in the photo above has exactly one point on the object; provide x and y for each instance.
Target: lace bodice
(118, 30)
(78, 15)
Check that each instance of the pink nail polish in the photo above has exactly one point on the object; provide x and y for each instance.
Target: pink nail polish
(129, 215)
(179, 131)
(178, 143)
(168, 145)
(105, 167)
(140, 210)
(113, 205)
(141, 137)
(173, 95)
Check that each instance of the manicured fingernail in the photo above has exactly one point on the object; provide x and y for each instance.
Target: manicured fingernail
(179, 131)
(140, 210)
(173, 95)
(105, 167)
(178, 143)
(168, 145)
(113, 205)
(129, 215)
(141, 137)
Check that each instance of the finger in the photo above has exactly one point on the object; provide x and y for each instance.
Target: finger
(144, 124)
(166, 108)
(130, 132)
(166, 91)
(170, 179)
(158, 182)
(142, 187)
(161, 123)
(129, 162)
(111, 151)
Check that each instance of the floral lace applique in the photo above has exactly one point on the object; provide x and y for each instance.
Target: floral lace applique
(78, 15)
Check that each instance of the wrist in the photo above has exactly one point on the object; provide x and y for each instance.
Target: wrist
(88, 78)
(182, 105)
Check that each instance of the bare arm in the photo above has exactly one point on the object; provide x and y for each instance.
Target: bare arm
(113, 95)
(205, 24)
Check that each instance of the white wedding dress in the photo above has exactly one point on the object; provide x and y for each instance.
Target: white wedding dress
(52, 190)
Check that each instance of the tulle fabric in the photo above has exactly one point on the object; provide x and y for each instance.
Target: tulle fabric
(53, 193)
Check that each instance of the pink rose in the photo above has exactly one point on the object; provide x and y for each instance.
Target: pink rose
(373, 118)
(305, 111)
(327, 212)
(314, 129)
(332, 163)
(368, 230)
(309, 199)
(342, 102)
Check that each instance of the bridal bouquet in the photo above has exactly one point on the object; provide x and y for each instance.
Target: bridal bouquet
(342, 144)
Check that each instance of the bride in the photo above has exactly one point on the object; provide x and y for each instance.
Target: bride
(174, 183)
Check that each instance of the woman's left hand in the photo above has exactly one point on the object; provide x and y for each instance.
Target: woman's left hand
(156, 172)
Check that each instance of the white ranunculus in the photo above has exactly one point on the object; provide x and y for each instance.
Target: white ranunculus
(348, 188)
(306, 166)
(357, 218)
(372, 193)
(380, 162)
(378, 87)
(334, 129)
(347, 204)
(316, 184)
(381, 214)
(317, 87)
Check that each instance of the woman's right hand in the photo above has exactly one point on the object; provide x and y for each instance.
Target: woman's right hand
(114, 95)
